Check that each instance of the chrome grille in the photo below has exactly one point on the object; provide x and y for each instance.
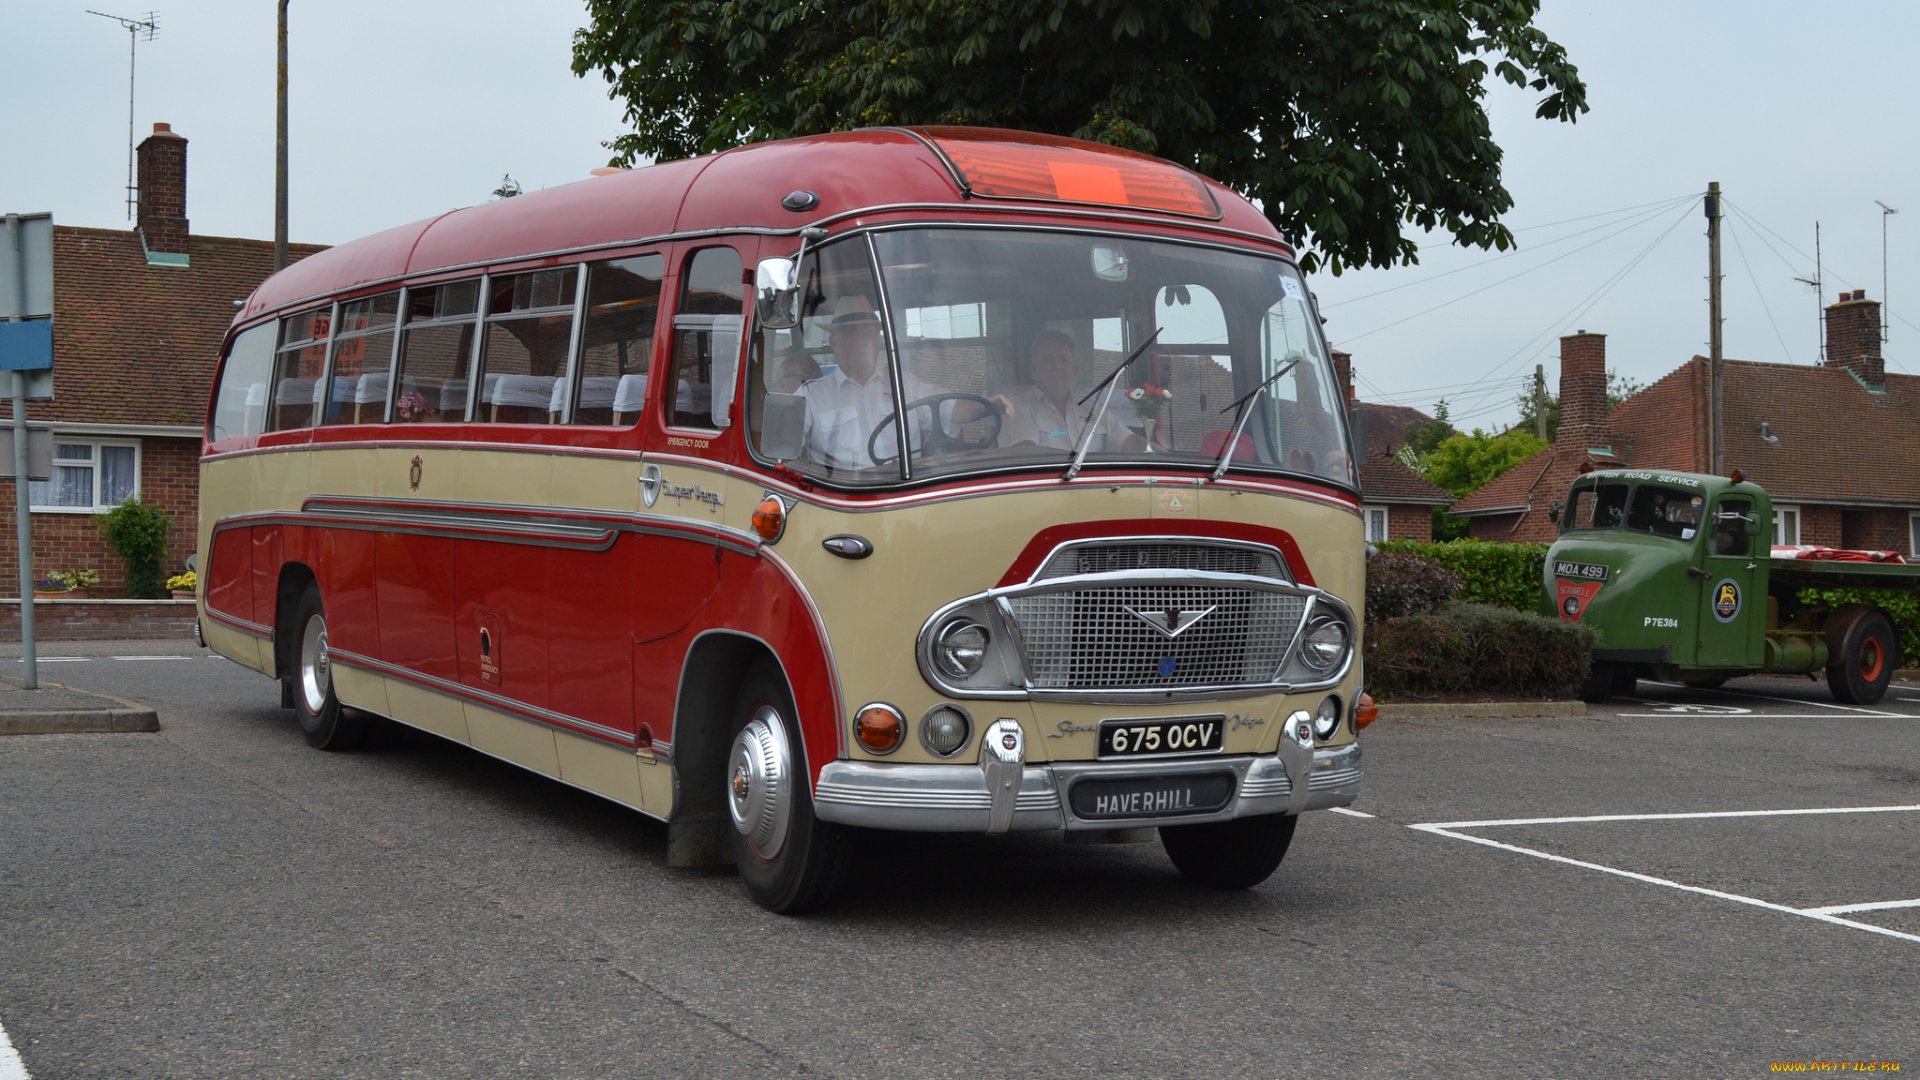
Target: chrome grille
(1106, 556)
(1086, 639)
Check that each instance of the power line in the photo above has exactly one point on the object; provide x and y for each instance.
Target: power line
(1785, 353)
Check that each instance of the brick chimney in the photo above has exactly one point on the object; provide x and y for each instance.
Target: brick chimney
(1343, 371)
(1583, 392)
(1853, 338)
(162, 218)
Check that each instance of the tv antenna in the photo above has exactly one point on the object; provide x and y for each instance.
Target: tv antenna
(1886, 316)
(1818, 281)
(139, 29)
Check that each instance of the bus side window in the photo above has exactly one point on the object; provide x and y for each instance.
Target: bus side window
(361, 358)
(296, 389)
(241, 408)
(1730, 527)
(623, 304)
(529, 328)
(436, 345)
(706, 339)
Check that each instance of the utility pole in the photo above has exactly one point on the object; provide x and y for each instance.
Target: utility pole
(1886, 314)
(1540, 401)
(280, 156)
(1716, 363)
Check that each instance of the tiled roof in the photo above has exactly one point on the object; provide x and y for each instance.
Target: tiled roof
(1387, 425)
(1382, 479)
(138, 344)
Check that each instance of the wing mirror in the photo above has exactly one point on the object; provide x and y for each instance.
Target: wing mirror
(776, 285)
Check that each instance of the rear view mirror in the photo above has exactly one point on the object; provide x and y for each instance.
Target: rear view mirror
(1754, 528)
(783, 426)
(776, 293)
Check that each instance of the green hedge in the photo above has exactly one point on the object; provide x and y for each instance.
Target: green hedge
(1477, 648)
(1505, 575)
(1902, 605)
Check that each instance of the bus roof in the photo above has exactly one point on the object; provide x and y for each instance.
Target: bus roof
(742, 189)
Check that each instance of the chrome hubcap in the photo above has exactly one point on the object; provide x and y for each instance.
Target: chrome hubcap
(760, 783)
(315, 673)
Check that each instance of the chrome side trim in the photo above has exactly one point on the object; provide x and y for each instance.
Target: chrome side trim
(956, 798)
(239, 623)
(573, 725)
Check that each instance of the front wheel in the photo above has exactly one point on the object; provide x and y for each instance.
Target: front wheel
(791, 861)
(1865, 651)
(1237, 854)
(324, 723)
(1599, 684)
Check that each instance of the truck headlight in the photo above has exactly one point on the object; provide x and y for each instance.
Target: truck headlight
(960, 648)
(1324, 644)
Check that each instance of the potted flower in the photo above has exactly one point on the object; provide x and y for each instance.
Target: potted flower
(49, 588)
(65, 583)
(1147, 402)
(182, 586)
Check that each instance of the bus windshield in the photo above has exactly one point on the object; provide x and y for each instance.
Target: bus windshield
(994, 342)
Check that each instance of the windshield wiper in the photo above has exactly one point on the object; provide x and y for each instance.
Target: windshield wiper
(1108, 383)
(1240, 423)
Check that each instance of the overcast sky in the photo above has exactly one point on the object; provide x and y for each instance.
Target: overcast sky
(402, 110)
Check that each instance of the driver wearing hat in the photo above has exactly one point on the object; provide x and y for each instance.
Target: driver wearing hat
(846, 404)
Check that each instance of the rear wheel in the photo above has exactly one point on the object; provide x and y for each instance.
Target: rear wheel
(791, 861)
(1237, 854)
(1865, 651)
(325, 724)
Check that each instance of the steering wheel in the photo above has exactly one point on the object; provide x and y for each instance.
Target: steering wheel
(934, 438)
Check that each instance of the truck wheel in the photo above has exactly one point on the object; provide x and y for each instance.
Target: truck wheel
(1626, 679)
(325, 724)
(1599, 684)
(791, 861)
(1866, 651)
(1237, 854)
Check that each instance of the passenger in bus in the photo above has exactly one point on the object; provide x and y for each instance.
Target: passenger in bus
(1044, 411)
(845, 405)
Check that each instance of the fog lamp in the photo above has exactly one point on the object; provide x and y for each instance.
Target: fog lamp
(1325, 644)
(879, 728)
(1326, 719)
(961, 647)
(945, 730)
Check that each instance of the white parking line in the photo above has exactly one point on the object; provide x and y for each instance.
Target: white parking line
(1826, 915)
(1348, 812)
(11, 1067)
(1769, 697)
(149, 657)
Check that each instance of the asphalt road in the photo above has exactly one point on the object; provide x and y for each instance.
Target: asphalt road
(219, 900)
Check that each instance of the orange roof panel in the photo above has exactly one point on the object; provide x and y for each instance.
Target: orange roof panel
(1020, 165)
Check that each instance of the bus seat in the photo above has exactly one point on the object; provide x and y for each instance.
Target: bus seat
(629, 396)
(1211, 445)
(293, 403)
(453, 397)
(520, 399)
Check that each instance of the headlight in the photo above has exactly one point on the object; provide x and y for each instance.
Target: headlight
(1325, 643)
(945, 730)
(1326, 720)
(961, 647)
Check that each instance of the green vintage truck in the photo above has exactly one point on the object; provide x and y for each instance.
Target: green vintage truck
(1677, 572)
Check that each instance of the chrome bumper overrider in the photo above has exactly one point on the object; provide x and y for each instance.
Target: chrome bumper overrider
(957, 798)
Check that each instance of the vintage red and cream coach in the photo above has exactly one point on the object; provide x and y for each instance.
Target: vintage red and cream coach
(935, 479)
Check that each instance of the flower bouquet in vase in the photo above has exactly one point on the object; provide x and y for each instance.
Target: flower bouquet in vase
(1147, 401)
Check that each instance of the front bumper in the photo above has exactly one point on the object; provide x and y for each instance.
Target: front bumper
(957, 798)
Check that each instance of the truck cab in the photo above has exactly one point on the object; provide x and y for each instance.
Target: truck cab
(1670, 568)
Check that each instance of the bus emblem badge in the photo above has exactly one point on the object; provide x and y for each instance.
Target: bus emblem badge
(1574, 598)
(1726, 600)
(1166, 667)
(413, 474)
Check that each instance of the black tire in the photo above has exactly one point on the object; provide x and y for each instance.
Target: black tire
(1599, 684)
(326, 725)
(1237, 854)
(810, 858)
(1865, 651)
(1626, 679)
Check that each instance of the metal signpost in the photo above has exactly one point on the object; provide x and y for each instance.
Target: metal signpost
(26, 356)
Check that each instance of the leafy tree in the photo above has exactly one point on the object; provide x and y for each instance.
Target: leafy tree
(1424, 438)
(1465, 462)
(1619, 389)
(1344, 119)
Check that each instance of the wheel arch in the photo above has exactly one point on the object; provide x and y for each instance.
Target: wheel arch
(717, 660)
(294, 579)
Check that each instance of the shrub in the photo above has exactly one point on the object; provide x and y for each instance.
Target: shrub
(1407, 583)
(138, 532)
(1506, 575)
(76, 579)
(1903, 606)
(1477, 648)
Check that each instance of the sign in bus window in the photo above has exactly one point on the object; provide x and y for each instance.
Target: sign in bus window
(435, 347)
(623, 305)
(706, 338)
(529, 327)
(361, 359)
(297, 368)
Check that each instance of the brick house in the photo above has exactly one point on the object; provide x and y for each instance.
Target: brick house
(1396, 502)
(1836, 445)
(137, 324)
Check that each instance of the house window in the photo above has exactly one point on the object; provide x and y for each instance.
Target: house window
(1913, 535)
(1376, 522)
(1786, 525)
(88, 477)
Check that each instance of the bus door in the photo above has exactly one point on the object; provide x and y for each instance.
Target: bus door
(1730, 633)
